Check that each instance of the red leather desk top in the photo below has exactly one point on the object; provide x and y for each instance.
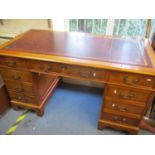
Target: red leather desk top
(83, 46)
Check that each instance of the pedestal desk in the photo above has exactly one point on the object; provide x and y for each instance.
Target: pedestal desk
(33, 63)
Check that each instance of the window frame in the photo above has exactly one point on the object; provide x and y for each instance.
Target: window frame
(110, 27)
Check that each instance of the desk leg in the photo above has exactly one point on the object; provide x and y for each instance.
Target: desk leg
(100, 126)
(133, 132)
(15, 107)
(40, 112)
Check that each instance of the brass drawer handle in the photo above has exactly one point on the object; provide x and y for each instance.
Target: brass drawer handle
(132, 82)
(19, 89)
(22, 98)
(63, 68)
(15, 77)
(44, 68)
(87, 75)
(129, 96)
(11, 63)
(122, 109)
(119, 120)
(119, 108)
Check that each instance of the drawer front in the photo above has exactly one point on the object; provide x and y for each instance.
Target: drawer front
(125, 93)
(19, 87)
(88, 73)
(68, 70)
(12, 62)
(17, 75)
(23, 98)
(124, 108)
(132, 79)
(42, 66)
(120, 120)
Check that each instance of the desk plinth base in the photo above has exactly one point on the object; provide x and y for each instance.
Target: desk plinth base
(104, 123)
(39, 109)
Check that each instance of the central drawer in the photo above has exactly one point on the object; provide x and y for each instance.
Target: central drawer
(126, 93)
(85, 73)
(14, 75)
(68, 70)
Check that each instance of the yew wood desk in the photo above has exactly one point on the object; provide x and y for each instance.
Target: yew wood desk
(33, 63)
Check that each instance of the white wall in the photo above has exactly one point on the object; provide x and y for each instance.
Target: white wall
(60, 24)
(13, 27)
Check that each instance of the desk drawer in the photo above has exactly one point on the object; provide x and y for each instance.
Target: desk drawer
(23, 98)
(68, 70)
(124, 93)
(132, 79)
(12, 62)
(88, 73)
(123, 107)
(120, 120)
(15, 75)
(42, 66)
(19, 87)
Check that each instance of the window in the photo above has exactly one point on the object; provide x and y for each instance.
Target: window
(130, 28)
(152, 24)
(116, 27)
(96, 26)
